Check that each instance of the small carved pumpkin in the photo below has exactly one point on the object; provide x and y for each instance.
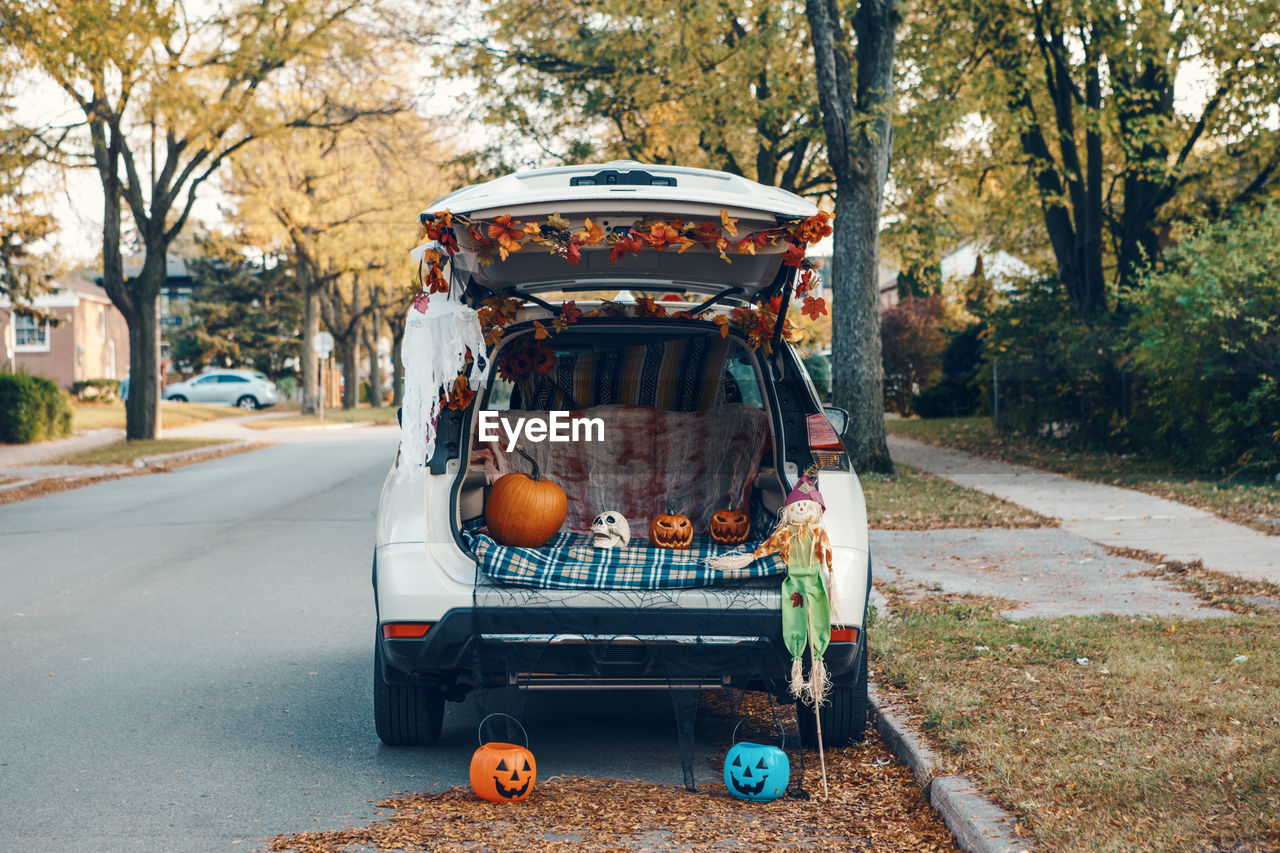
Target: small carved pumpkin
(671, 530)
(524, 509)
(502, 772)
(729, 526)
(753, 771)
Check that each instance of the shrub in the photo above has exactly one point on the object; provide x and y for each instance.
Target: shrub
(1207, 330)
(1057, 375)
(912, 341)
(98, 390)
(958, 393)
(32, 408)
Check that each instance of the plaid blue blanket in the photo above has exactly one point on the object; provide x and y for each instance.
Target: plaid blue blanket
(569, 562)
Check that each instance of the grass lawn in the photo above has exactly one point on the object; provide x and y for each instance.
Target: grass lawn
(364, 414)
(1106, 733)
(915, 500)
(87, 416)
(127, 451)
(1256, 504)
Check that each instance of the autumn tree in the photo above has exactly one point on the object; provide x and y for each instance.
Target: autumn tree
(167, 92)
(25, 221)
(712, 83)
(343, 207)
(855, 88)
(245, 312)
(1114, 119)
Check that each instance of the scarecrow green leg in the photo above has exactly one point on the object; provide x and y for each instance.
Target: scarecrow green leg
(795, 622)
(795, 630)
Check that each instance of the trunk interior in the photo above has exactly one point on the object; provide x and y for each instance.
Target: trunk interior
(658, 421)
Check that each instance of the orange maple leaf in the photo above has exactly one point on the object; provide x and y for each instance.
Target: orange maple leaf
(592, 234)
(660, 235)
(623, 247)
(722, 244)
(540, 332)
(794, 255)
(504, 229)
(814, 307)
(730, 224)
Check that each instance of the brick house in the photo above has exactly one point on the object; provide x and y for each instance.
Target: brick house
(91, 341)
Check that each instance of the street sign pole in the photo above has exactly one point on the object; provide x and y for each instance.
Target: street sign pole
(322, 343)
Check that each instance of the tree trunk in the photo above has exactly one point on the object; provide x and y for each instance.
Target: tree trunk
(310, 363)
(397, 369)
(370, 335)
(859, 140)
(142, 410)
(856, 370)
(348, 346)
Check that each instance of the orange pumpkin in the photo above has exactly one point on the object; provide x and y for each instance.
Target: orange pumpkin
(524, 509)
(502, 772)
(671, 530)
(729, 526)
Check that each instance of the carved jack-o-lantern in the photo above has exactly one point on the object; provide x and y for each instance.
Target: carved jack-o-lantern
(502, 772)
(753, 771)
(729, 526)
(671, 530)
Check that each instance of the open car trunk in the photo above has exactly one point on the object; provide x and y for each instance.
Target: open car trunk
(659, 419)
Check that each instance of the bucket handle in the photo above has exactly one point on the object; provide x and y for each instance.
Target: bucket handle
(782, 734)
(480, 728)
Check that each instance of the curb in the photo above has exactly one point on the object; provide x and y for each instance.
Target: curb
(190, 457)
(979, 825)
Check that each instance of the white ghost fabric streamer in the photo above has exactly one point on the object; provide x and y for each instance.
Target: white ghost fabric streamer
(434, 352)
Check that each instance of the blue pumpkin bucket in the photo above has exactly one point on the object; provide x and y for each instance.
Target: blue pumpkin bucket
(754, 771)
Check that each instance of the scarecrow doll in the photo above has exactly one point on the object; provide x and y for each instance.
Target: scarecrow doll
(802, 542)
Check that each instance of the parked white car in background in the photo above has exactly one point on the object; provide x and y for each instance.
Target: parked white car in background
(247, 389)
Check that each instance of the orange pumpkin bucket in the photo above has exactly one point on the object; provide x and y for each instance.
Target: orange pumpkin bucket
(502, 772)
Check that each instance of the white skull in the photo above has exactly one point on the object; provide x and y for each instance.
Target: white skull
(610, 529)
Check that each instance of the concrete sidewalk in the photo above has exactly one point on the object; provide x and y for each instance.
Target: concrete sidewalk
(1107, 515)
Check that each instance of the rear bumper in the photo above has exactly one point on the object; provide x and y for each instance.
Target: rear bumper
(478, 647)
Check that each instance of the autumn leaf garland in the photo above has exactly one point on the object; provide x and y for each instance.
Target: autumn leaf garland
(504, 235)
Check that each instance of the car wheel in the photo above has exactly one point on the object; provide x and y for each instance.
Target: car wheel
(405, 714)
(177, 398)
(844, 714)
(247, 402)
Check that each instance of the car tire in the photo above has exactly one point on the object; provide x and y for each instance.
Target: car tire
(844, 714)
(405, 714)
(176, 398)
(247, 402)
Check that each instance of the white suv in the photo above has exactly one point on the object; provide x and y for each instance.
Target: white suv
(247, 389)
(697, 413)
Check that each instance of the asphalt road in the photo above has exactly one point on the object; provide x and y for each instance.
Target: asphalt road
(185, 663)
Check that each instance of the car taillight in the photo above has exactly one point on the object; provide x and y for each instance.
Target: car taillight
(824, 442)
(844, 635)
(405, 630)
(822, 435)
